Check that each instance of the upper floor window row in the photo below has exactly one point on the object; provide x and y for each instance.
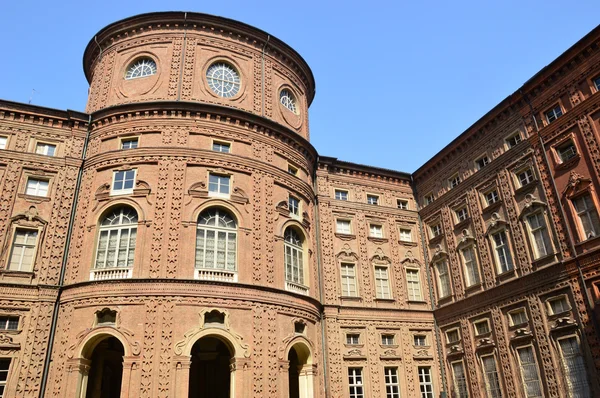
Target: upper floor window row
(554, 113)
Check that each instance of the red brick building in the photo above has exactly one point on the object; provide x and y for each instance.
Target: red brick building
(182, 238)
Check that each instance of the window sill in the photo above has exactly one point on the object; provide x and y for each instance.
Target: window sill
(407, 243)
(121, 193)
(385, 300)
(473, 287)
(527, 187)
(544, 260)
(445, 299)
(588, 240)
(343, 236)
(377, 240)
(568, 163)
(34, 198)
(492, 207)
(436, 239)
(417, 301)
(389, 346)
(463, 223)
(506, 275)
(219, 195)
(20, 276)
(350, 298)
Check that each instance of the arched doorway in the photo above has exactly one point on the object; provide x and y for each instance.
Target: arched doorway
(210, 375)
(106, 369)
(294, 373)
(300, 371)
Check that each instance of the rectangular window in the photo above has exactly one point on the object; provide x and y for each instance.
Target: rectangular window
(454, 181)
(471, 268)
(553, 114)
(574, 368)
(3, 141)
(387, 339)
(425, 382)
(294, 206)
(588, 215)
(459, 380)
(9, 322)
(23, 250)
(375, 231)
(443, 278)
(513, 140)
(373, 199)
(482, 162)
(517, 317)
(37, 187)
(539, 235)
(452, 336)
(420, 340)
(597, 83)
(348, 274)
(558, 305)
(428, 199)
(4, 367)
(218, 184)
(343, 227)
(482, 327)
(529, 372)
(567, 151)
(405, 235)
(341, 195)
(402, 204)
(525, 177)
(392, 386)
(352, 339)
(461, 214)
(123, 182)
(502, 252)
(413, 282)
(45, 149)
(355, 383)
(382, 283)
(490, 373)
(492, 197)
(129, 143)
(291, 169)
(436, 230)
(221, 147)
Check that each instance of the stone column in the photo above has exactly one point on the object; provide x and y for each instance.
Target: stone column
(307, 375)
(182, 364)
(126, 383)
(284, 378)
(241, 377)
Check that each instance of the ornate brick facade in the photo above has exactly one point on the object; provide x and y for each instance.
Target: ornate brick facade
(238, 262)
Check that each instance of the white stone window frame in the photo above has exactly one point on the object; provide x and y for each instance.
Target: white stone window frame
(373, 228)
(380, 294)
(343, 220)
(4, 326)
(531, 233)
(385, 339)
(356, 382)
(35, 246)
(130, 66)
(402, 204)
(551, 114)
(376, 202)
(129, 138)
(208, 271)
(404, 236)
(346, 277)
(512, 313)
(481, 158)
(521, 368)
(477, 322)
(474, 263)
(236, 67)
(288, 99)
(295, 283)
(447, 333)
(31, 178)
(560, 297)
(391, 380)
(507, 245)
(583, 236)
(352, 338)
(493, 199)
(568, 141)
(454, 181)
(508, 145)
(461, 214)
(428, 199)
(4, 140)
(341, 191)
(435, 229)
(47, 144)
(420, 337)
(123, 191)
(426, 388)
(595, 83)
(436, 268)
(219, 174)
(487, 382)
(222, 143)
(562, 361)
(455, 382)
(291, 169)
(531, 177)
(419, 284)
(295, 211)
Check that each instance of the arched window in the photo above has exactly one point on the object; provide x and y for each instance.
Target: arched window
(116, 244)
(288, 100)
(294, 263)
(216, 244)
(141, 68)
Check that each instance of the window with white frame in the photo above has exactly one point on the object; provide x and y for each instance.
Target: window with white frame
(436, 230)
(42, 148)
(529, 372)
(348, 276)
(123, 182)
(518, 317)
(461, 214)
(116, 238)
(481, 162)
(4, 368)
(375, 231)
(553, 114)
(459, 380)
(405, 235)
(441, 268)
(413, 284)
(294, 205)
(491, 197)
(525, 177)
(428, 199)
(343, 226)
(3, 141)
(355, 383)
(490, 373)
(566, 151)
(294, 263)
(471, 268)
(373, 199)
(129, 143)
(420, 340)
(513, 140)
(9, 322)
(224, 147)
(37, 187)
(402, 204)
(481, 327)
(425, 382)
(341, 194)
(454, 181)
(216, 240)
(558, 305)
(219, 185)
(539, 235)
(502, 254)
(382, 282)
(23, 248)
(387, 339)
(452, 336)
(292, 170)
(288, 100)
(597, 83)
(587, 215)
(352, 339)
(141, 67)
(574, 368)
(392, 385)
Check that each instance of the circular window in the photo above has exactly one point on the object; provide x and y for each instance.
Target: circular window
(288, 100)
(223, 79)
(141, 68)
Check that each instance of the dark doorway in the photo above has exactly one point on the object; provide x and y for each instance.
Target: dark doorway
(293, 374)
(210, 376)
(106, 371)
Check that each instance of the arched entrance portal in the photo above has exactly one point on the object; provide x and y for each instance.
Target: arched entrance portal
(294, 373)
(300, 372)
(210, 375)
(106, 369)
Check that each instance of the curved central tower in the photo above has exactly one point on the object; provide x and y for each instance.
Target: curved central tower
(192, 268)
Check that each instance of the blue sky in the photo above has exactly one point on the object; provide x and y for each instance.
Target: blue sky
(396, 80)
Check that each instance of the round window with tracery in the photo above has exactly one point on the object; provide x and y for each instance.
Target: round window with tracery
(288, 100)
(223, 79)
(141, 68)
